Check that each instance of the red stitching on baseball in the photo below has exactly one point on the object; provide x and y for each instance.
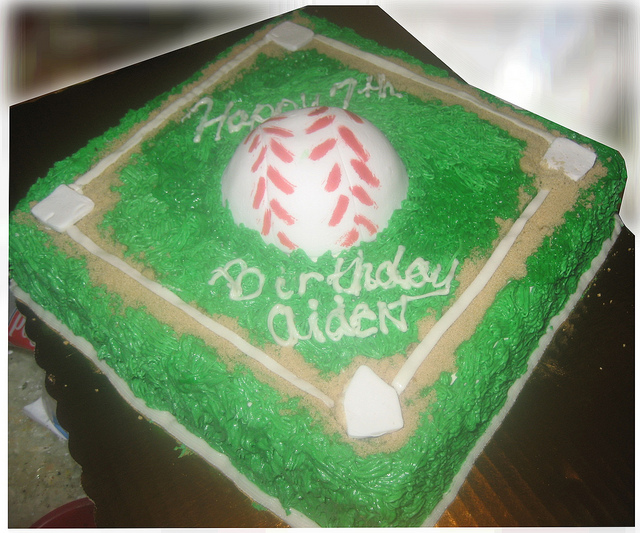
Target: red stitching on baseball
(281, 212)
(254, 144)
(352, 142)
(354, 117)
(322, 122)
(260, 189)
(272, 119)
(280, 151)
(349, 238)
(285, 241)
(318, 111)
(279, 180)
(364, 172)
(334, 178)
(368, 224)
(322, 149)
(362, 195)
(266, 222)
(260, 159)
(339, 211)
(280, 132)
(246, 139)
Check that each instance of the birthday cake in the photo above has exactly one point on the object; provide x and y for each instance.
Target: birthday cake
(322, 265)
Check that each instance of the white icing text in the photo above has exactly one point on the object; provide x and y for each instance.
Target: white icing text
(239, 119)
(247, 283)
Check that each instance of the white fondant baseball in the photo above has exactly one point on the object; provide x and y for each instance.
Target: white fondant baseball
(320, 179)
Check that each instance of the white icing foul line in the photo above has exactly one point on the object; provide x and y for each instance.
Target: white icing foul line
(415, 360)
(161, 117)
(213, 326)
(555, 323)
(402, 71)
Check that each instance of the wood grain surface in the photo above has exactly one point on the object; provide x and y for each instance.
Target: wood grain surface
(564, 455)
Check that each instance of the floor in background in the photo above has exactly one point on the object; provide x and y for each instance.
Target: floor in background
(47, 45)
(42, 475)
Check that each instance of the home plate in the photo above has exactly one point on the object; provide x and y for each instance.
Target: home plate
(371, 406)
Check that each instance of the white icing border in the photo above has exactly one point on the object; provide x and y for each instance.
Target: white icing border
(516, 388)
(165, 419)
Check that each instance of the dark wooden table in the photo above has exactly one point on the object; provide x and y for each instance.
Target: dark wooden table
(564, 456)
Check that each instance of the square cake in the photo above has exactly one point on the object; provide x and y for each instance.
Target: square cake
(324, 266)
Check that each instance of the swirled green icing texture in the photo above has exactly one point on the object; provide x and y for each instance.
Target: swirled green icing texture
(171, 209)
(273, 440)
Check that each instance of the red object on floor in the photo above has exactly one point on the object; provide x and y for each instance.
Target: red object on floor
(76, 514)
(17, 335)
